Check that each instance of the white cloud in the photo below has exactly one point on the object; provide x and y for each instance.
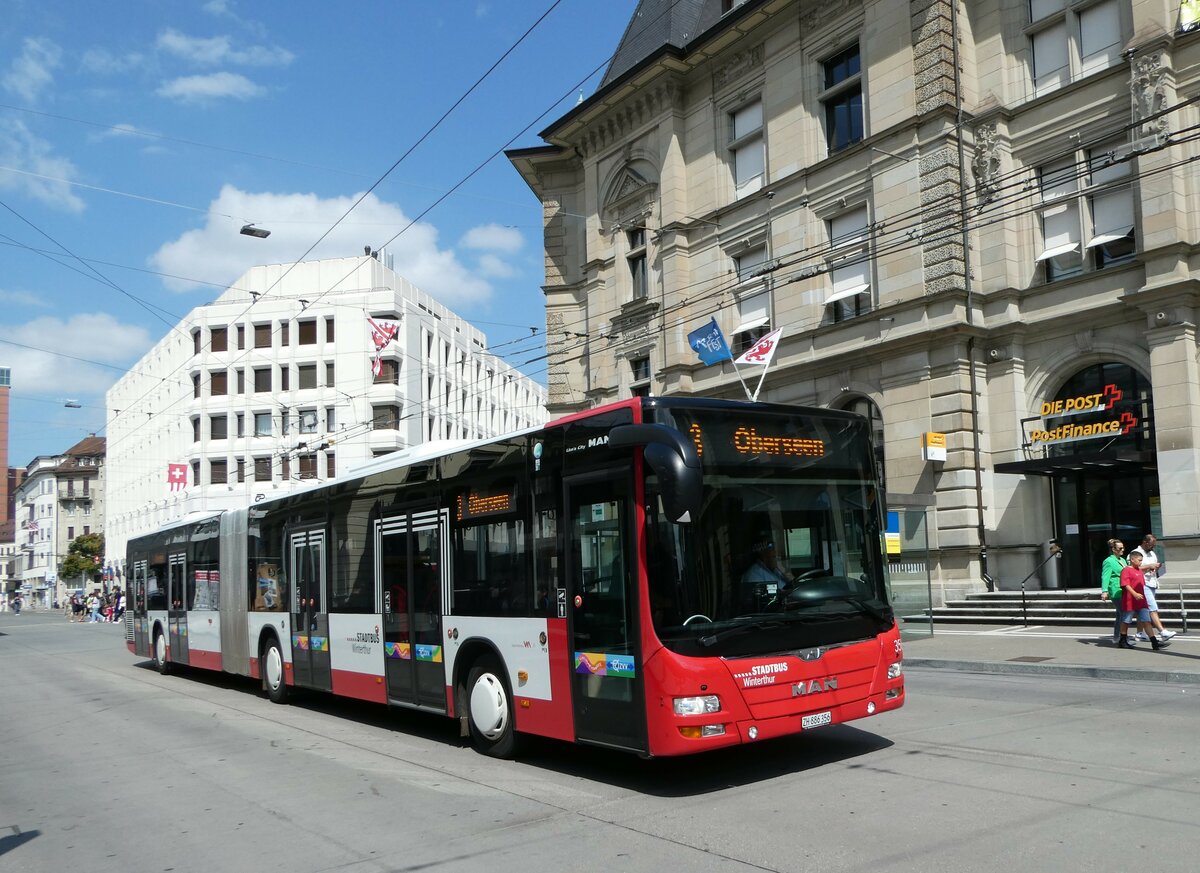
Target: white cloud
(104, 62)
(215, 86)
(215, 50)
(43, 374)
(494, 268)
(493, 237)
(33, 70)
(21, 150)
(22, 298)
(217, 253)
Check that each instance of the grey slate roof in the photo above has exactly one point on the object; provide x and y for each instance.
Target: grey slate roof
(659, 23)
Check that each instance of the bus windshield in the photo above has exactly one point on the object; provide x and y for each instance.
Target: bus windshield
(786, 551)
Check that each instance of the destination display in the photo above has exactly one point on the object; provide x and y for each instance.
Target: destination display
(475, 504)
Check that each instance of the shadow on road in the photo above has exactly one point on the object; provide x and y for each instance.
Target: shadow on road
(661, 777)
(16, 838)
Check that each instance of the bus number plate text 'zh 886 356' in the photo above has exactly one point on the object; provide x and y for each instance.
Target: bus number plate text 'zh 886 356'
(816, 720)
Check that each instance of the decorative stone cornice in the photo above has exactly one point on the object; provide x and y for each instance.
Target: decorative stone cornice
(737, 66)
(822, 13)
(619, 122)
(985, 165)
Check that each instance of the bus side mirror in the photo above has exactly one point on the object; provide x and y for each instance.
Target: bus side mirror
(673, 457)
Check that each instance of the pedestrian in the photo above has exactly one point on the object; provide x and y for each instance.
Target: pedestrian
(1110, 583)
(1133, 602)
(16, 604)
(120, 610)
(94, 608)
(1152, 569)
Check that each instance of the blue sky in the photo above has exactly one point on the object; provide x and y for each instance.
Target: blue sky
(139, 135)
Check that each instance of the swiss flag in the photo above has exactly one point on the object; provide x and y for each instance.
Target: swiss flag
(177, 476)
(762, 351)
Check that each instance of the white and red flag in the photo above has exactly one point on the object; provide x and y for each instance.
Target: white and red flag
(762, 351)
(382, 333)
(177, 476)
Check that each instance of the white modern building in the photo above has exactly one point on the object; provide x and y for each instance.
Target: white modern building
(297, 373)
(61, 498)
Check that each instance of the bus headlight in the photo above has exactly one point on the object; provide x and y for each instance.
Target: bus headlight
(697, 705)
(894, 670)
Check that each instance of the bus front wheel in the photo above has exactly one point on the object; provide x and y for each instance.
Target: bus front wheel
(490, 709)
(161, 664)
(270, 666)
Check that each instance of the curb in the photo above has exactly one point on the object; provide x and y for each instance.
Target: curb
(1075, 671)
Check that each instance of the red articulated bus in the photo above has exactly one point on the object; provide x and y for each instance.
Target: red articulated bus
(661, 575)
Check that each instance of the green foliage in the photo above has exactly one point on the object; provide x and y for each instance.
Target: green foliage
(85, 557)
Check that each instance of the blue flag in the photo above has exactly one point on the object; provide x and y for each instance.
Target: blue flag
(709, 343)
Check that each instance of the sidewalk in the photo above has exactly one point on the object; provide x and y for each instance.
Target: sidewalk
(1045, 650)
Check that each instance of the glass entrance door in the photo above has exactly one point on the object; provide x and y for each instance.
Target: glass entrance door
(310, 619)
(410, 571)
(1092, 510)
(179, 593)
(602, 592)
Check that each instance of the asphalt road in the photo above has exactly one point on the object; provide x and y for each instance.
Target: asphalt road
(107, 766)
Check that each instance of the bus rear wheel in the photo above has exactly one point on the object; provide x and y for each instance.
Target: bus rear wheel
(270, 667)
(490, 709)
(161, 664)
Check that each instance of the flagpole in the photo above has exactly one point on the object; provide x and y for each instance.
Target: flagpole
(738, 373)
(761, 379)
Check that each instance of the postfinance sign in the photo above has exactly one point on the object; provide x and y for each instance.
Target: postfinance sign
(1113, 424)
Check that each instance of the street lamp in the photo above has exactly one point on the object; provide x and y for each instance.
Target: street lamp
(251, 230)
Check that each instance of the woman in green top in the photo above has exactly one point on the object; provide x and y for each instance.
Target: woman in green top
(1110, 581)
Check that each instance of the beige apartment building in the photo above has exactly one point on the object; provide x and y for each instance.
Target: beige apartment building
(972, 219)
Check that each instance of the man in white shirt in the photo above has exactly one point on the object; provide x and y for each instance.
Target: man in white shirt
(1152, 568)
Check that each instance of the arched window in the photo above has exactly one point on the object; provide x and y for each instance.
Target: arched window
(867, 409)
(1106, 407)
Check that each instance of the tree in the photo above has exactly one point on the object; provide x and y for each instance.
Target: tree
(85, 556)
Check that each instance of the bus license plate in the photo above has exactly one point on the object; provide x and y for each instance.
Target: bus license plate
(816, 720)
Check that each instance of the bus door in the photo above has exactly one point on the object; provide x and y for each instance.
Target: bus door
(410, 572)
(607, 689)
(310, 620)
(137, 600)
(178, 598)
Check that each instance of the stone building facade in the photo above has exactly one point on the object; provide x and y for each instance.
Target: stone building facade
(968, 219)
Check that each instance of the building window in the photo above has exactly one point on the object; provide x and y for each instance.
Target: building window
(196, 472)
(218, 383)
(196, 342)
(262, 469)
(330, 418)
(87, 529)
(262, 380)
(285, 465)
(196, 430)
(636, 259)
(262, 336)
(307, 331)
(329, 372)
(195, 384)
(306, 376)
(284, 334)
(842, 99)
(70, 533)
(308, 421)
(218, 339)
(308, 466)
(218, 472)
(284, 422)
(1094, 205)
(389, 372)
(241, 469)
(241, 424)
(285, 378)
(849, 265)
(329, 329)
(747, 148)
(262, 424)
(241, 336)
(1066, 44)
(753, 300)
(640, 376)
(385, 417)
(330, 465)
(241, 381)
(218, 427)
(1061, 233)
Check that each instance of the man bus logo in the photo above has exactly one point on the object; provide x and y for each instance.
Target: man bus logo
(813, 686)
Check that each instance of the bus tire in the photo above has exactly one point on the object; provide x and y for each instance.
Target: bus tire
(271, 668)
(161, 664)
(490, 711)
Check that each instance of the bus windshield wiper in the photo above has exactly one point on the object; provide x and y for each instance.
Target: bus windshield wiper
(739, 629)
(863, 606)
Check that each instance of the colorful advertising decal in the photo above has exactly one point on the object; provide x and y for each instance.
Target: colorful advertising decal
(604, 664)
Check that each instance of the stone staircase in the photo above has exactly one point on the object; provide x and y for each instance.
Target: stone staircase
(1069, 608)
